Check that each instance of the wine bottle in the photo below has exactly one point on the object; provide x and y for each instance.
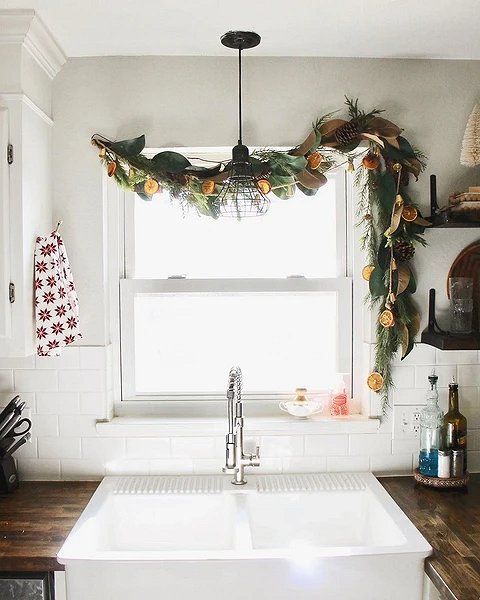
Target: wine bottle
(431, 422)
(455, 424)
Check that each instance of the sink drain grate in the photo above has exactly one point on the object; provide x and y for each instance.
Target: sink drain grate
(335, 482)
(169, 485)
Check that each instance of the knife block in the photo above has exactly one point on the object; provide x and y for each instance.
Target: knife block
(8, 476)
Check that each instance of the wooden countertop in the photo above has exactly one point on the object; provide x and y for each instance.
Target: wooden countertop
(35, 520)
(450, 521)
(38, 516)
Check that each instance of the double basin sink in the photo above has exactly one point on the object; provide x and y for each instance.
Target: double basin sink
(312, 534)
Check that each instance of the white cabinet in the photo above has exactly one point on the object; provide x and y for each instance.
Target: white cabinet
(25, 208)
(29, 59)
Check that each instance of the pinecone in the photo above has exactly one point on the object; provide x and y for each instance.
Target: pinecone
(347, 133)
(403, 250)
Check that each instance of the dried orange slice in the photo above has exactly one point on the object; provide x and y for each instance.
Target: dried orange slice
(375, 381)
(367, 272)
(264, 186)
(112, 167)
(314, 160)
(371, 161)
(208, 186)
(387, 319)
(151, 186)
(409, 213)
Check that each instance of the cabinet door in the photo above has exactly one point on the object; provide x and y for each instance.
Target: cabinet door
(5, 309)
(26, 586)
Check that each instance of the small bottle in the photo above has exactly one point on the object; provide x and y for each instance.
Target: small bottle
(455, 426)
(431, 421)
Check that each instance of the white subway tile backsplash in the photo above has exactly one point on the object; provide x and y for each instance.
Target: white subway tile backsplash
(45, 425)
(321, 445)
(93, 403)
(30, 380)
(38, 469)
(171, 466)
(403, 376)
(398, 464)
(148, 448)
(304, 464)
(6, 380)
(193, 447)
(362, 443)
(69, 359)
(27, 362)
(468, 375)
(406, 446)
(85, 380)
(444, 373)
(410, 396)
(84, 470)
(57, 447)
(108, 449)
(422, 354)
(93, 357)
(343, 464)
(82, 426)
(58, 403)
(127, 467)
(279, 446)
(456, 357)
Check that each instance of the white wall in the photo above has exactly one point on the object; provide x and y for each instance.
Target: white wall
(192, 102)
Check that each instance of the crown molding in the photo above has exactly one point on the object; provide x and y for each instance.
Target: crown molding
(25, 27)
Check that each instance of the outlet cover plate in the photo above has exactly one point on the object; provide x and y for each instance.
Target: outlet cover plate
(406, 422)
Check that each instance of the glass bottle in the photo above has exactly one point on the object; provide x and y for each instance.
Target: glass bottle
(431, 422)
(455, 424)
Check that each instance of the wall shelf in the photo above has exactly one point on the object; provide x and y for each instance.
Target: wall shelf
(444, 340)
(448, 218)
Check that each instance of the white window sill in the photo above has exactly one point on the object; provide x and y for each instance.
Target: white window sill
(146, 420)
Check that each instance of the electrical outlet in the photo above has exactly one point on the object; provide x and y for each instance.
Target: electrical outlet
(406, 422)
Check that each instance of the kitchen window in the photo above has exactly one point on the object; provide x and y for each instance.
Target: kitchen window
(269, 294)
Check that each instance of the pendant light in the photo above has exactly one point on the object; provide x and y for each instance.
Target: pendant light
(240, 195)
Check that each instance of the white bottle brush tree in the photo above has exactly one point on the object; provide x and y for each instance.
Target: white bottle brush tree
(470, 154)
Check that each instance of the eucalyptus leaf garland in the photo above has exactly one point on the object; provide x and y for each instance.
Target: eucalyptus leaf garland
(391, 221)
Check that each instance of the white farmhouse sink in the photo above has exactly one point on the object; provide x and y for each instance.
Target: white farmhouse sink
(281, 537)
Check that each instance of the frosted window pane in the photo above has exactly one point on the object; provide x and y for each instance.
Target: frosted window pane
(188, 343)
(296, 237)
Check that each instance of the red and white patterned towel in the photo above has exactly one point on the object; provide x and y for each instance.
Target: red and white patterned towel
(56, 302)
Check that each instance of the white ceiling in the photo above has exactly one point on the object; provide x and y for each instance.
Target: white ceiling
(342, 28)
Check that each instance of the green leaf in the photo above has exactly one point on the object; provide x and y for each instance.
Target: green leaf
(306, 191)
(376, 283)
(405, 147)
(386, 191)
(171, 162)
(129, 147)
(286, 164)
(383, 257)
(282, 186)
(412, 284)
(203, 172)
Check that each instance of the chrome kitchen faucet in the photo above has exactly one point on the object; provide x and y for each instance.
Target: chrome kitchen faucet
(236, 460)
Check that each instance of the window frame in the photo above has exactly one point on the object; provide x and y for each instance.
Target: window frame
(128, 287)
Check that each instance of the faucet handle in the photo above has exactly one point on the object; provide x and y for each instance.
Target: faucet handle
(257, 452)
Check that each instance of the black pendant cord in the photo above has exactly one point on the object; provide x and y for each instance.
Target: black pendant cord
(240, 95)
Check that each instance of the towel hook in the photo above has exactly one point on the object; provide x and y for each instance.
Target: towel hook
(58, 226)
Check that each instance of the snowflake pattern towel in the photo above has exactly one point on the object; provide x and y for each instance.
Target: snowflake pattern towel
(56, 302)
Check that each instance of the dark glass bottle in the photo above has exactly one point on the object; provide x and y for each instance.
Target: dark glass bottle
(455, 424)
(431, 422)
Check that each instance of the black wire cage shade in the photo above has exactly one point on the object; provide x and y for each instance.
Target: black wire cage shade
(240, 195)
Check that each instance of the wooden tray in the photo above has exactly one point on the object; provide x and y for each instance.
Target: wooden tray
(440, 483)
(467, 264)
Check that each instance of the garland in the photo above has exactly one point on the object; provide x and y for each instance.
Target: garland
(392, 224)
